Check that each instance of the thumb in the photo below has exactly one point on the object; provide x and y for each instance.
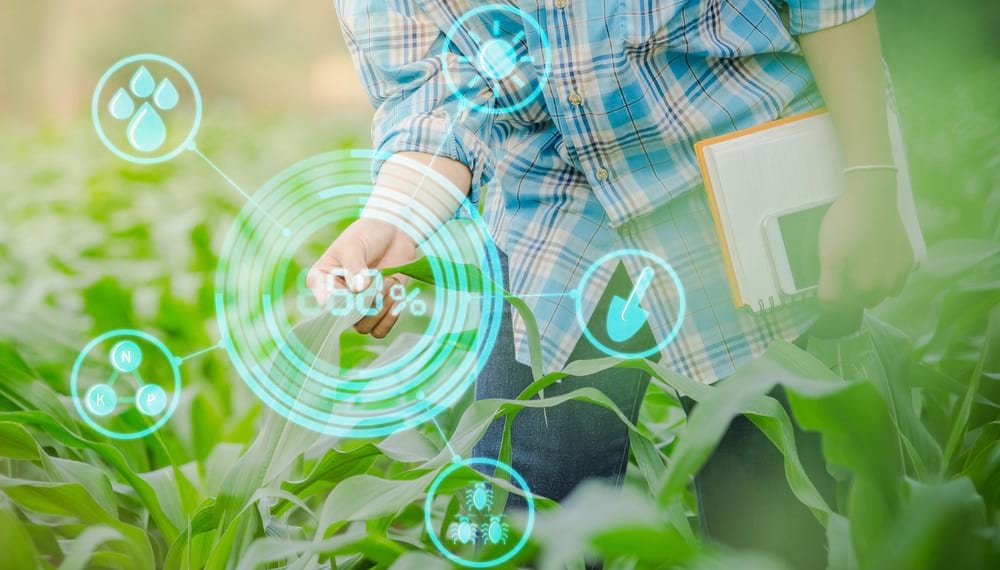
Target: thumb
(339, 266)
(356, 268)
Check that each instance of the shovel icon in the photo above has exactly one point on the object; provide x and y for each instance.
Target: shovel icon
(626, 317)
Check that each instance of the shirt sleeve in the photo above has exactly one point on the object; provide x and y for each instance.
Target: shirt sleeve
(425, 100)
(807, 16)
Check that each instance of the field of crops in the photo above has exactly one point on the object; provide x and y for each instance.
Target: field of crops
(908, 412)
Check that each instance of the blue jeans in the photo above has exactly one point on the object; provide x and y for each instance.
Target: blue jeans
(556, 449)
(743, 496)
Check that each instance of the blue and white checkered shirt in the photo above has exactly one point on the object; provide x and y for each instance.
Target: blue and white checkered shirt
(593, 151)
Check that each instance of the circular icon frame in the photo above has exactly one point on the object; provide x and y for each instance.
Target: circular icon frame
(95, 109)
(429, 506)
(126, 334)
(287, 212)
(681, 304)
(459, 36)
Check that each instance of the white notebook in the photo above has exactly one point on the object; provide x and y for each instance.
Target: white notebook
(753, 174)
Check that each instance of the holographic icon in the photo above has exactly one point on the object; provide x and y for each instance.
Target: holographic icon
(342, 301)
(462, 530)
(495, 531)
(131, 122)
(478, 535)
(120, 373)
(626, 316)
(406, 300)
(126, 356)
(509, 61)
(151, 399)
(101, 399)
(287, 347)
(479, 497)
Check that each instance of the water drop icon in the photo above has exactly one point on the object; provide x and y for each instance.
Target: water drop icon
(166, 96)
(142, 83)
(121, 105)
(146, 131)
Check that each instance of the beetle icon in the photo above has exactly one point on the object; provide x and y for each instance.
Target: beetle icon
(463, 530)
(479, 498)
(495, 531)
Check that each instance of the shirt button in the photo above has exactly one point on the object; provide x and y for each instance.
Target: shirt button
(602, 174)
(561, 3)
(575, 99)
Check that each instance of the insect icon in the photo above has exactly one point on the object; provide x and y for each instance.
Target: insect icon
(479, 498)
(495, 531)
(463, 530)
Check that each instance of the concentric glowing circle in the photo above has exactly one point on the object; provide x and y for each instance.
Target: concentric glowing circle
(90, 403)
(509, 51)
(293, 355)
(432, 493)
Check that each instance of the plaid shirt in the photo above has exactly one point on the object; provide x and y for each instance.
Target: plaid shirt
(602, 158)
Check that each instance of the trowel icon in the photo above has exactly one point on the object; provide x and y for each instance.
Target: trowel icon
(626, 317)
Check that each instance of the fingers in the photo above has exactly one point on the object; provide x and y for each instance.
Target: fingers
(830, 290)
(871, 285)
(365, 325)
(341, 265)
(380, 324)
(861, 283)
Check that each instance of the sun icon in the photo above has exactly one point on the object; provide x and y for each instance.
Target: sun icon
(498, 58)
(500, 55)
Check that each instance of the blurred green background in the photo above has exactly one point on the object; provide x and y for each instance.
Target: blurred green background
(90, 243)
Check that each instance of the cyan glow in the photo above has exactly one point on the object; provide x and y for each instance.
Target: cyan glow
(127, 336)
(256, 264)
(496, 56)
(429, 506)
(144, 133)
(681, 303)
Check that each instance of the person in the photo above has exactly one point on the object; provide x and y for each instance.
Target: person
(584, 146)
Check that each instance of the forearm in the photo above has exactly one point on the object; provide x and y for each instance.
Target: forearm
(846, 62)
(420, 184)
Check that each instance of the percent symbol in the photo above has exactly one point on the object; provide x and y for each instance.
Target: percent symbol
(398, 294)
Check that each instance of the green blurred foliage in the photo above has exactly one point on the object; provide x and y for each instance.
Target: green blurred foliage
(908, 412)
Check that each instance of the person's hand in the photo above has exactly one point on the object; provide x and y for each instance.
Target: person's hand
(365, 244)
(864, 252)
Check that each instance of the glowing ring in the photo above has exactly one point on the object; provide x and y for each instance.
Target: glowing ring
(681, 303)
(95, 106)
(250, 299)
(456, 35)
(429, 505)
(127, 333)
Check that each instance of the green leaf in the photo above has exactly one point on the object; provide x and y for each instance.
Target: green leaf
(108, 453)
(15, 542)
(20, 385)
(939, 527)
(334, 467)
(363, 497)
(73, 500)
(86, 544)
(16, 442)
(598, 518)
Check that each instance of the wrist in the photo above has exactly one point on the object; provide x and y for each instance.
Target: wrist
(876, 183)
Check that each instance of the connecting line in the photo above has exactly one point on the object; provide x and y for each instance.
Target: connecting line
(181, 359)
(571, 293)
(193, 148)
(114, 377)
(454, 455)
